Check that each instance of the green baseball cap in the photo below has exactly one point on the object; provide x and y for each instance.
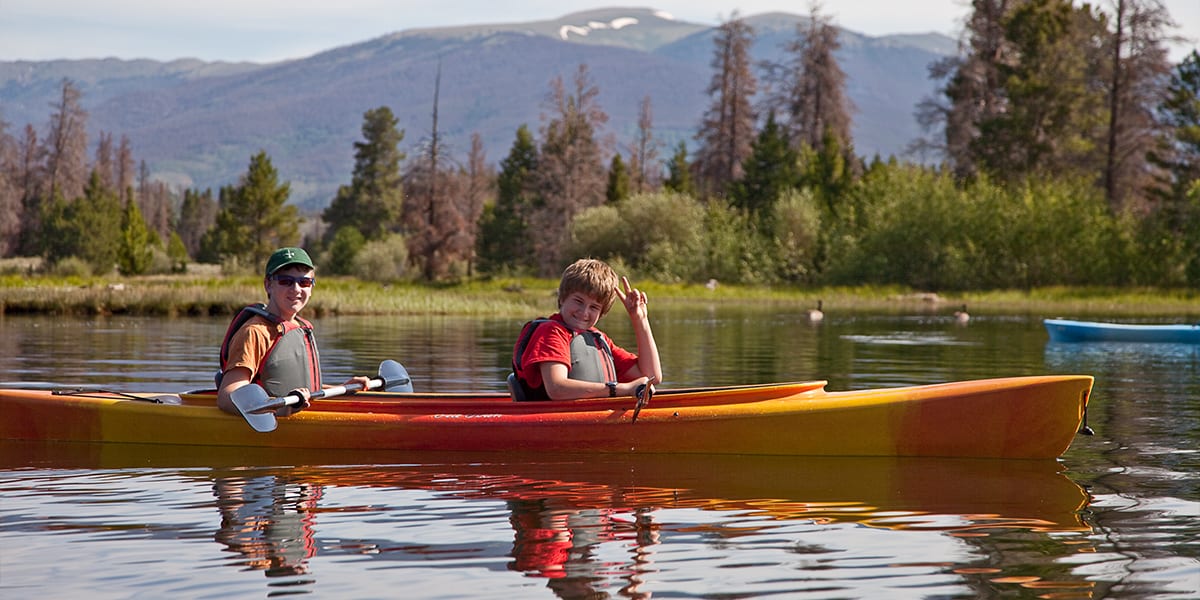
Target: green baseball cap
(287, 256)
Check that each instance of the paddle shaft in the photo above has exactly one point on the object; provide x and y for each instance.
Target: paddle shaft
(329, 392)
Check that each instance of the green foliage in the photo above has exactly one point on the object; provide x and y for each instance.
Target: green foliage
(503, 242)
(1179, 154)
(254, 218)
(347, 243)
(735, 248)
(136, 248)
(373, 202)
(1053, 112)
(919, 229)
(88, 228)
(654, 234)
(384, 260)
(770, 170)
(177, 254)
(796, 228)
(679, 173)
(618, 180)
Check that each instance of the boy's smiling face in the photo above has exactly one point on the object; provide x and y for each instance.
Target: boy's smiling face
(580, 311)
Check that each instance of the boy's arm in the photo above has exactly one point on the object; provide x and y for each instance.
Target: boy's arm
(561, 387)
(647, 350)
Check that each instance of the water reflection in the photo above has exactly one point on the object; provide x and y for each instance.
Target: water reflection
(588, 523)
(268, 520)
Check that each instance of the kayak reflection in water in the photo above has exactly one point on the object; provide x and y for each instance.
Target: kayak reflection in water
(560, 544)
(269, 521)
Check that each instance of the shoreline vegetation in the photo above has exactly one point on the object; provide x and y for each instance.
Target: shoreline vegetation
(204, 291)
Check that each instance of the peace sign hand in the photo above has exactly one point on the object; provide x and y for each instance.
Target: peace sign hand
(633, 299)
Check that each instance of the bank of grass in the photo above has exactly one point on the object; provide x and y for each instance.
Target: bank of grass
(205, 292)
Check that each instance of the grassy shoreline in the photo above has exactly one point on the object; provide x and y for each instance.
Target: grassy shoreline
(203, 295)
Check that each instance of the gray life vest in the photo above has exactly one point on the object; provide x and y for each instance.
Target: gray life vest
(292, 360)
(591, 358)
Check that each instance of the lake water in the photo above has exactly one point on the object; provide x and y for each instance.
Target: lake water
(1118, 516)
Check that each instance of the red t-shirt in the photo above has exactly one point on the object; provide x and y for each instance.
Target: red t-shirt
(552, 343)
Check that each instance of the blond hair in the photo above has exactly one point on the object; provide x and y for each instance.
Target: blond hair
(591, 277)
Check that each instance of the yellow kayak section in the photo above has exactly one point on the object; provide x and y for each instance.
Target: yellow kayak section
(1015, 417)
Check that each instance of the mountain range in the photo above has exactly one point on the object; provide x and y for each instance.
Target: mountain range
(196, 123)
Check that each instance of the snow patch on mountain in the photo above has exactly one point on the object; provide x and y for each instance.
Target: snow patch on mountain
(566, 30)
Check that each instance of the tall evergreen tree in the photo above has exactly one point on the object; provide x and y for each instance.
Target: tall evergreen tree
(679, 173)
(727, 129)
(1137, 71)
(135, 251)
(66, 144)
(11, 213)
(815, 98)
(373, 202)
(88, 228)
(618, 180)
(254, 218)
(197, 214)
(571, 172)
(1053, 114)
(771, 169)
(504, 233)
(971, 90)
(643, 163)
(1178, 151)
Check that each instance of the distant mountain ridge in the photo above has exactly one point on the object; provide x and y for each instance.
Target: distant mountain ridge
(197, 123)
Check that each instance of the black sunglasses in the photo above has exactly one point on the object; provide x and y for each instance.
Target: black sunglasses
(289, 281)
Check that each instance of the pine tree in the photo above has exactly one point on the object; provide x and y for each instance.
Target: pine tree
(618, 181)
(88, 228)
(815, 98)
(1053, 114)
(11, 212)
(373, 202)
(971, 92)
(66, 144)
(254, 218)
(1138, 69)
(1178, 151)
(643, 162)
(771, 169)
(197, 214)
(504, 233)
(135, 251)
(679, 173)
(571, 172)
(727, 129)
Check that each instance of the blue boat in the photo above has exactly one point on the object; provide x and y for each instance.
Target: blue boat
(1063, 330)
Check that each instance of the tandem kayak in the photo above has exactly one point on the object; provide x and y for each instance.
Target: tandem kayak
(1017, 417)
(1063, 330)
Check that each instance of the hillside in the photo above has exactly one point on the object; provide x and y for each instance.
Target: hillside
(196, 124)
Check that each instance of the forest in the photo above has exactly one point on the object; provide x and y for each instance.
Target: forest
(1062, 147)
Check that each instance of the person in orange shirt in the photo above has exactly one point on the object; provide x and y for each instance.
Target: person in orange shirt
(270, 344)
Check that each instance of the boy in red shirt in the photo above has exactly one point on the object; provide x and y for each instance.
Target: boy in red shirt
(565, 357)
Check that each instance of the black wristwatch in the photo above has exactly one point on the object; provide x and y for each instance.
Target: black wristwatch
(612, 389)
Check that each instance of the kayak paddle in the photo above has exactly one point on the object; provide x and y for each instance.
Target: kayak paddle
(258, 407)
(644, 393)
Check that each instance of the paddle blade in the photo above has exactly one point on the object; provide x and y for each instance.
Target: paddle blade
(395, 377)
(255, 406)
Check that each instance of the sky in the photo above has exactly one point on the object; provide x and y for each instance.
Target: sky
(271, 30)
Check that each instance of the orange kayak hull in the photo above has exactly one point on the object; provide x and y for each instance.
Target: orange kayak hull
(1017, 417)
